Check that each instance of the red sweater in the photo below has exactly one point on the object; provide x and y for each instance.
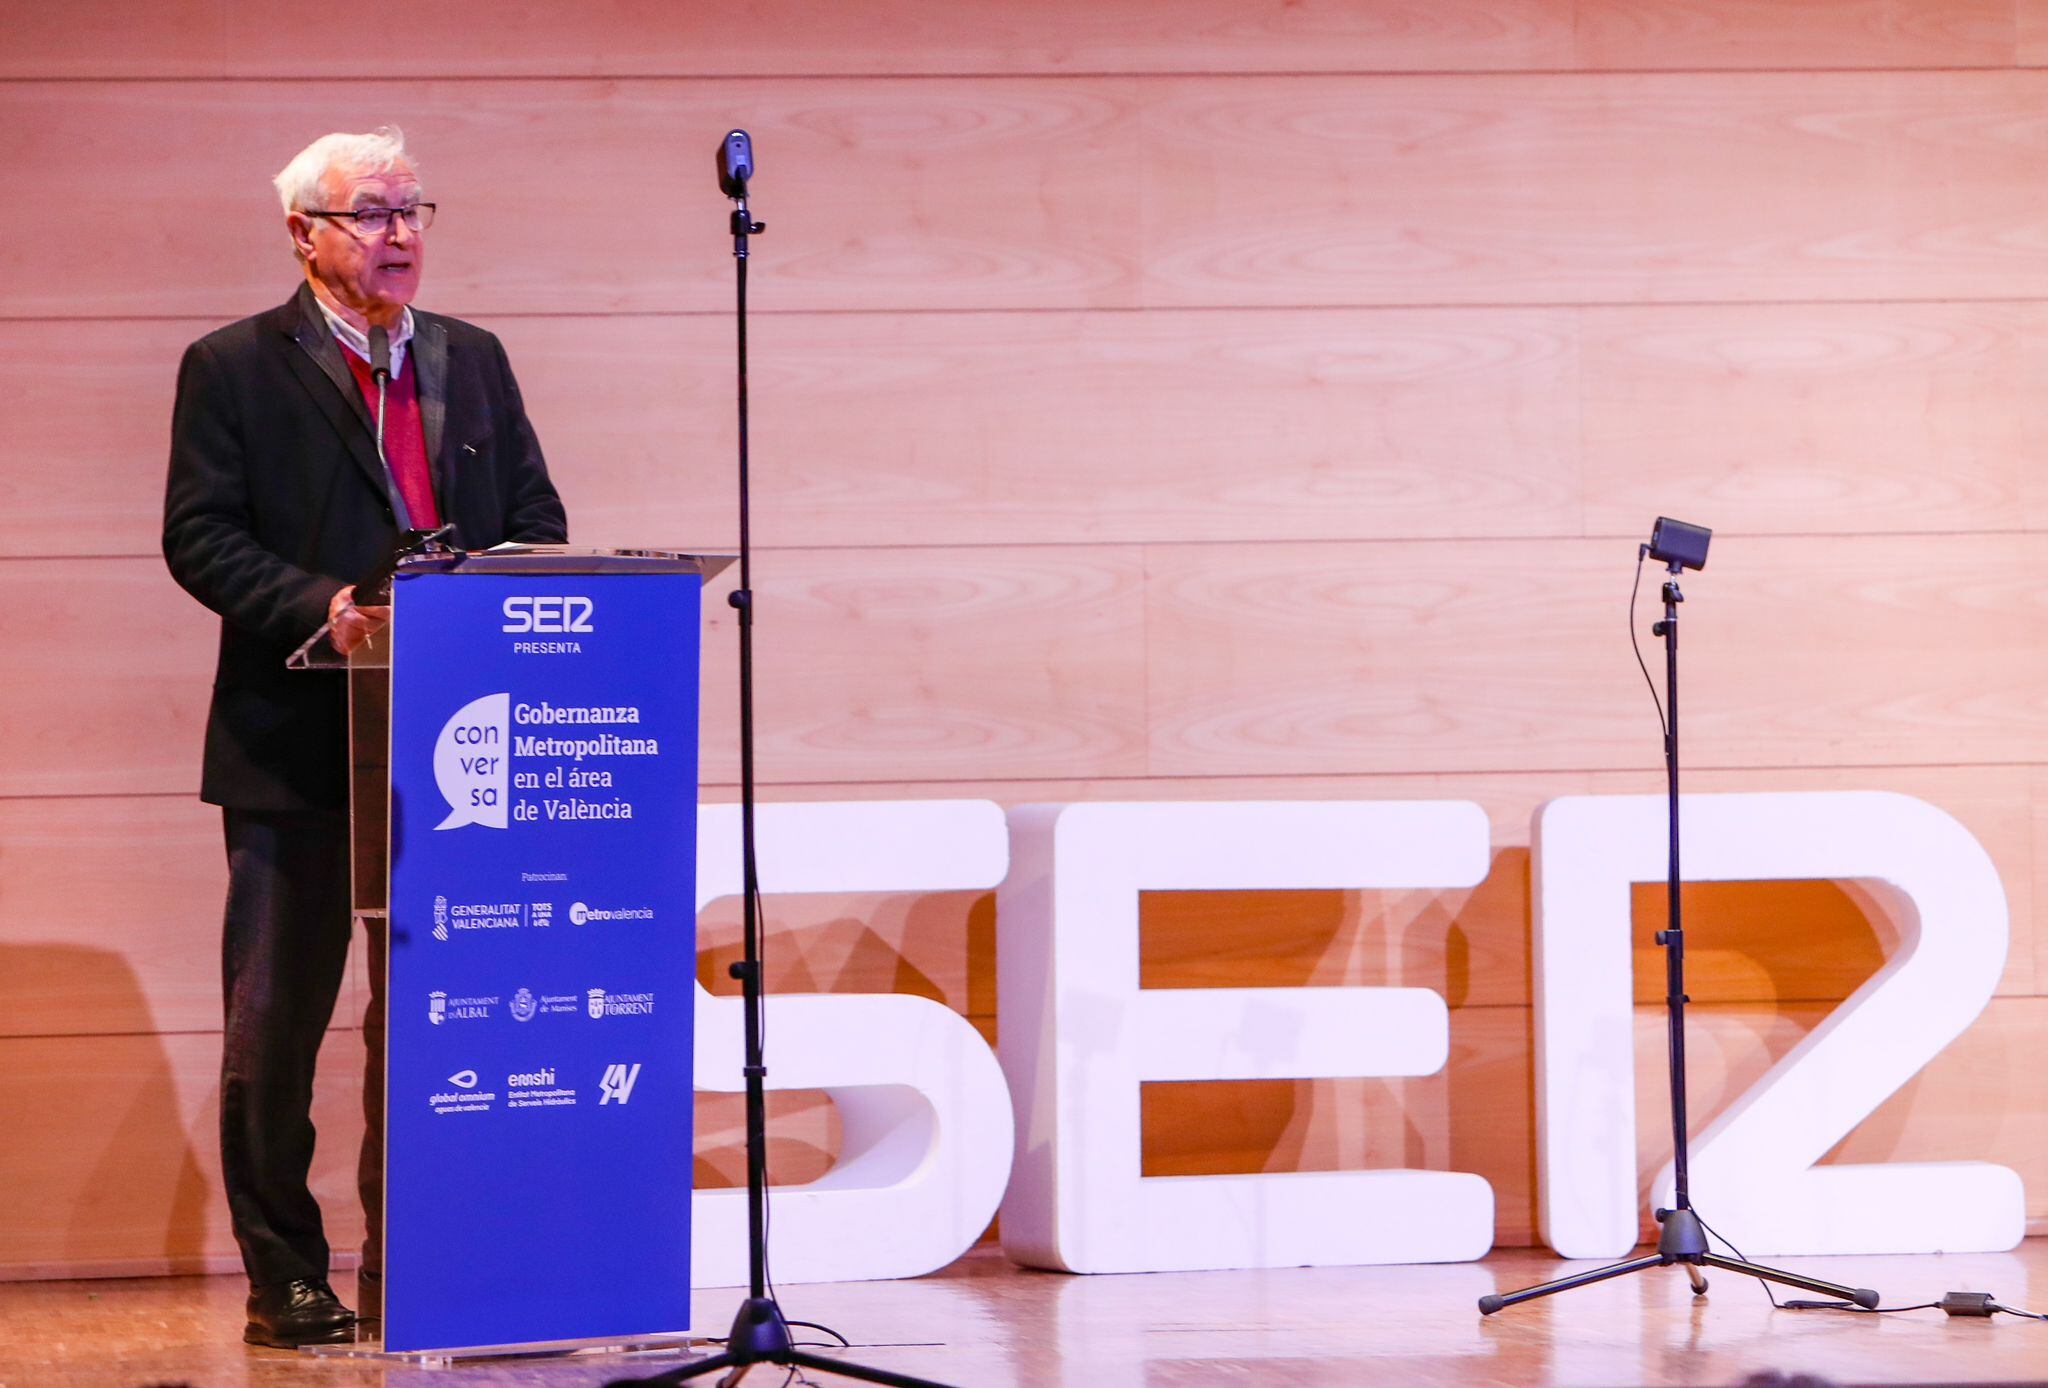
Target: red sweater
(405, 441)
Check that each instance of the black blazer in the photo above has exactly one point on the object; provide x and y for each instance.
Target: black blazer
(276, 498)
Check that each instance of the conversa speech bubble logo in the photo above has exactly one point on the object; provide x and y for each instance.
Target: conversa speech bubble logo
(469, 763)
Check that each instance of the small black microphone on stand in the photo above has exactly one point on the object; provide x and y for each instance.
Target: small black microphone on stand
(380, 372)
(735, 167)
(735, 163)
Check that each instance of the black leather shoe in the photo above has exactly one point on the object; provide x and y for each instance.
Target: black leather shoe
(286, 1315)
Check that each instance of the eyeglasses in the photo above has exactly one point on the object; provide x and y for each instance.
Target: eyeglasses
(375, 221)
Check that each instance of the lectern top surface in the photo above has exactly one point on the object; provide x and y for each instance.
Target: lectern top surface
(505, 560)
(559, 559)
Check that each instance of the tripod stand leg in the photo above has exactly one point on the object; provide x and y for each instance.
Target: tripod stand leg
(760, 1335)
(827, 1364)
(1489, 1304)
(1696, 1277)
(797, 1358)
(696, 1368)
(1862, 1296)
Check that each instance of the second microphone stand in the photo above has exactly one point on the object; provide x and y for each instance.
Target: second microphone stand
(760, 1331)
(1683, 1242)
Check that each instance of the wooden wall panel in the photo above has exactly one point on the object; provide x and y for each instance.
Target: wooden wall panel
(2032, 31)
(89, 405)
(2030, 916)
(1815, 418)
(1773, 34)
(878, 664)
(1047, 428)
(1262, 659)
(110, 915)
(110, 911)
(1471, 656)
(871, 666)
(1095, 192)
(106, 693)
(113, 38)
(1305, 424)
(938, 194)
(1038, 428)
(148, 38)
(113, 1165)
(131, 38)
(1625, 189)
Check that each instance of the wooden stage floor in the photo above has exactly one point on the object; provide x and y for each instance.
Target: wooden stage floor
(986, 1324)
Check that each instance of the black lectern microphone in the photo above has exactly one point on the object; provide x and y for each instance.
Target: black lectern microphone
(735, 163)
(373, 589)
(380, 372)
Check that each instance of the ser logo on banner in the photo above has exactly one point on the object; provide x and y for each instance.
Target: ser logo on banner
(565, 614)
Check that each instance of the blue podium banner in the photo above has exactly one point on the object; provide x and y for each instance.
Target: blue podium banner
(543, 957)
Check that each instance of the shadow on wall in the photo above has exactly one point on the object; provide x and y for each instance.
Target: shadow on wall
(100, 1169)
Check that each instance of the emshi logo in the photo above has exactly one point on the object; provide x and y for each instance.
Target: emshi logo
(562, 614)
(469, 763)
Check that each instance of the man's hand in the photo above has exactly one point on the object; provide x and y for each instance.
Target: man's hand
(348, 625)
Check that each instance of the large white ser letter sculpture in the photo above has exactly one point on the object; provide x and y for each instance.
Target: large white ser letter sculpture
(1752, 1170)
(1078, 1036)
(925, 1119)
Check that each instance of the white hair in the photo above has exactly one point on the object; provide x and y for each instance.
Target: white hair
(380, 151)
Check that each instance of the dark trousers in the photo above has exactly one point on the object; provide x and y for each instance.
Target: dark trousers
(284, 949)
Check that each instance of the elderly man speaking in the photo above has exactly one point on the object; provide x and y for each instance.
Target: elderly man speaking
(278, 499)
